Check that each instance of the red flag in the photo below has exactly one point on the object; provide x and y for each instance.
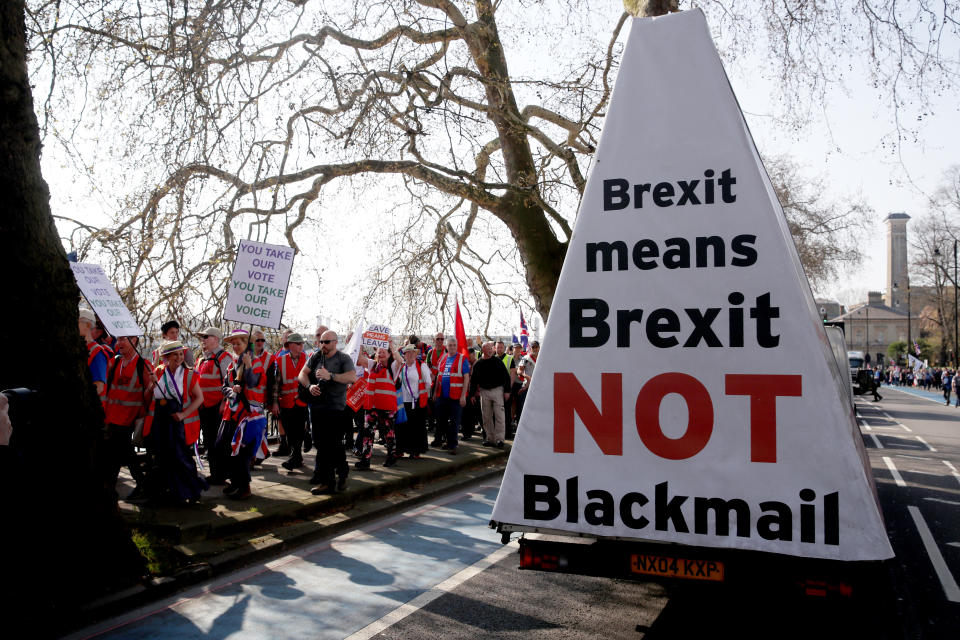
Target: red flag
(461, 334)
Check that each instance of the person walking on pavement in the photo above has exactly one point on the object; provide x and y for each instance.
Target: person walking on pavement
(511, 366)
(129, 386)
(414, 380)
(244, 419)
(491, 381)
(380, 403)
(287, 404)
(450, 393)
(97, 358)
(947, 382)
(956, 390)
(327, 375)
(213, 370)
(283, 449)
(171, 428)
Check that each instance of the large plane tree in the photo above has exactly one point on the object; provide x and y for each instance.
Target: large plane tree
(478, 119)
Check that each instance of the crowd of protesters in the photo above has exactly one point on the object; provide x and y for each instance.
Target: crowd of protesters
(943, 379)
(202, 415)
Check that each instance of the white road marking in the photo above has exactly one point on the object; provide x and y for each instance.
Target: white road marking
(947, 581)
(953, 470)
(896, 422)
(953, 502)
(454, 581)
(865, 426)
(876, 440)
(893, 470)
(925, 443)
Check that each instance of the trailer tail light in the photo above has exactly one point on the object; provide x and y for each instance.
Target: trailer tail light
(824, 589)
(533, 559)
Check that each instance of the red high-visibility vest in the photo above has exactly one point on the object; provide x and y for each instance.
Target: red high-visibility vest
(191, 422)
(289, 370)
(211, 378)
(381, 392)
(252, 394)
(455, 376)
(433, 359)
(125, 402)
(421, 385)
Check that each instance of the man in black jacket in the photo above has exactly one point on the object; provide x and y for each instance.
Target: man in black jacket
(491, 381)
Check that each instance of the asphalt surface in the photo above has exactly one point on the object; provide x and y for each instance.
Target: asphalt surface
(436, 570)
(913, 441)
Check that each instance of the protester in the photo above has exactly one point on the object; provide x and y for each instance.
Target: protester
(414, 380)
(170, 332)
(490, 381)
(129, 387)
(272, 384)
(511, 365)
(213, 369)
(947, 382)
(104, 339)
(244, 421)
(527, 366)
(97, 357)
(453, 378)
(171, 427)
(326, 375)
(380, 405)
(287, 404)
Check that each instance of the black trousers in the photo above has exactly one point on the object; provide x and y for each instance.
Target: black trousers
(412, 434)
(218, 453)
(327, 426)
(294, 422)
(118, 452)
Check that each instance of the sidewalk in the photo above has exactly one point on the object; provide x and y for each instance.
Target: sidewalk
(280, 495)
(219, 534)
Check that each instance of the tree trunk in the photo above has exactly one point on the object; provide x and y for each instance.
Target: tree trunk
(62, 538)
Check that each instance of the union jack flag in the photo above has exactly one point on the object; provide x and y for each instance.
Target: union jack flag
(524, 336)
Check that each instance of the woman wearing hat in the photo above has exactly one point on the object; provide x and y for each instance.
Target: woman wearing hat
(414, 380)
(243, 391)
(380, 403)
(172, 427)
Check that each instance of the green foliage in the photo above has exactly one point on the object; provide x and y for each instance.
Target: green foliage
(161, 558)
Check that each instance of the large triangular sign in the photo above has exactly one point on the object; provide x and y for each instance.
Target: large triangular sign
(686, 390)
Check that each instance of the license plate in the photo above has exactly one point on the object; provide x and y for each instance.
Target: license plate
(670, 567)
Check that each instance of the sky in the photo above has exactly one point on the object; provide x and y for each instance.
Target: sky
(846, 141)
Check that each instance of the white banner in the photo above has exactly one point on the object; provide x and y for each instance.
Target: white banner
(353, 346)
(258, 287)
(686, 390)
(915, 363)
(376, 336)
(104, 300)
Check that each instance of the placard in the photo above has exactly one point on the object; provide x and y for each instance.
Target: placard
(258, 287)
(686, 390)
(376, 336)
(104, 300)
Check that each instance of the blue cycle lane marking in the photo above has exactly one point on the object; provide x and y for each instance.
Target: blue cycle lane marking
(329, 589)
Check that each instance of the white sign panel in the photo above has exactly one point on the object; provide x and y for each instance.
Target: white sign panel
(685, 391)
(258, 287)
(104, 300)
(376, 336)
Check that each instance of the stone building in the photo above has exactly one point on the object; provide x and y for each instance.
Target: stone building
(873, 326)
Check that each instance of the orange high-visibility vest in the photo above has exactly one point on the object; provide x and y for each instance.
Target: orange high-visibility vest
(94, 348)
(125, 402)
(433, 359)
(289, 370)
(381, 392)
(191, 422)
(455, 376)
(252, 394)
(211, 378)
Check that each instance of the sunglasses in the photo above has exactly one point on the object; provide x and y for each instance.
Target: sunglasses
(260, 340)
(327, 341)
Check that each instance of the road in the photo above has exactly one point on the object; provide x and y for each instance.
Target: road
(438, 571)
(914, 445)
